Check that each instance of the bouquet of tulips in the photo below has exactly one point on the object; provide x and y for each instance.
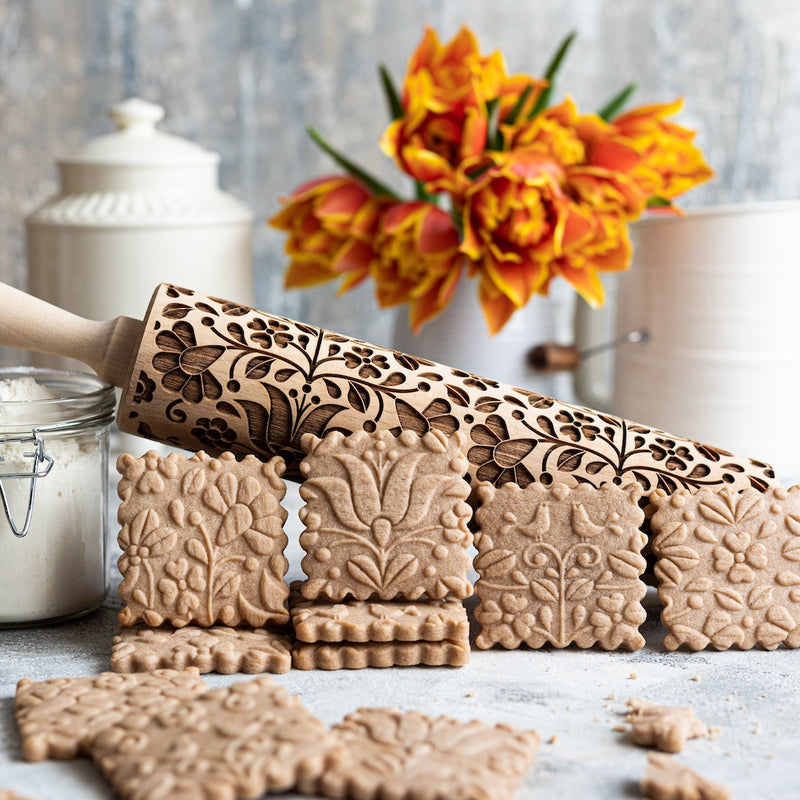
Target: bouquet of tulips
(510, 190)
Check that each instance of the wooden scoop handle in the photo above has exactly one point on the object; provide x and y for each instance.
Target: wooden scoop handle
(28, 323)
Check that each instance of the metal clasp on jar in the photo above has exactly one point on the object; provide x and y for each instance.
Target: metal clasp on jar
(42, 464)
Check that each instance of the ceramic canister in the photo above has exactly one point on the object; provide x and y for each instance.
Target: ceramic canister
(137, 207)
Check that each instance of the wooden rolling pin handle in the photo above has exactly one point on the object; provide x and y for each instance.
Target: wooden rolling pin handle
(553, 357)
(28, 323)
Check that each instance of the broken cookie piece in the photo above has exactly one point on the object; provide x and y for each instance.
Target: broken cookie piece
(667, 779)
(560, 565)
(407, 755)
(728, 568)
(215, 649)
(202, 540)
(57, 717)
(240, 741)
(385, 516)
(664, 727)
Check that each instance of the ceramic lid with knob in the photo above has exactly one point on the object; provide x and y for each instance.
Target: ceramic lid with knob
(139, 175)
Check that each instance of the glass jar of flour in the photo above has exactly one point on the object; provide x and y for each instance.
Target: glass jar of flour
(54, 429)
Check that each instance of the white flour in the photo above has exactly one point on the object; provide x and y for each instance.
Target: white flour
(59, 568)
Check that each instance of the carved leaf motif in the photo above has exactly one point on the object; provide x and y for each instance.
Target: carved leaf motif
(140, 597)
(793, 524)
(729, 599)
(716, 510)
(457, 395)
(196, 550)
(235, 522)
(579, 614)
(791, 550)
(212, 497)
(400, 483)
(366, 502)
(668, 573)
(546, 618)
(175, 310)
(682, 556)
(779, 616)
(627, 564)
(260, 543)
(401, 567)
(227, 584)
(496, 563)
(363, 569)
(177, 513)
(750, 506)
(579, 589)
(769, 636)
(787, 578)
(258, 367)
(546, 425)
(337, 492)
(193, 481)
(544, 590)
(705, 534)
(683, 634)
(236, 332)
(699, 584)
(569, 459)
(760, 597)
(487, 405)
(358, 397)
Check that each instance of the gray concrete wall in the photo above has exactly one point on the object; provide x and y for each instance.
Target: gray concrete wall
(243, 78)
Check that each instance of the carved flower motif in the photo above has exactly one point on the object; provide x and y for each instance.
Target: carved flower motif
(143, 538)
(179, 589)
(145, 387)
(510, 619)
(676, 455)
(246, 510)
(268, 333)
(214, 434)
(577, 426)
(616, 622)
(369, 364)
(497, 457)
(737, 557)
(186, 364)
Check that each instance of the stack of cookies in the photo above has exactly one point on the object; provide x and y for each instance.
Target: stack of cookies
(202, 564)
(386, 544)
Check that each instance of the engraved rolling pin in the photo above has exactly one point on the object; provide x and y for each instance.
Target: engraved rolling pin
(204, 373)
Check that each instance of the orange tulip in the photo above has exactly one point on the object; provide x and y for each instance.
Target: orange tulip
(332, 223)
(444, 99)
(418, 261)
(670, 163)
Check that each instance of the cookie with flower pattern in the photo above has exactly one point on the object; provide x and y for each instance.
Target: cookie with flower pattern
(408, 755)
(560, 565)
(202, 540)
(729, 568)
(385, 516)
(57, 717)
(219, 648)
(240, 741)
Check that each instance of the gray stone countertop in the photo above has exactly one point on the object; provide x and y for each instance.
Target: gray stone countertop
(575, 699)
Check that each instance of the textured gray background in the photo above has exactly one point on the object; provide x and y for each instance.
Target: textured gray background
(244, 78)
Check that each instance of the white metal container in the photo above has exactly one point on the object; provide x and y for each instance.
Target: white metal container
(137, 207)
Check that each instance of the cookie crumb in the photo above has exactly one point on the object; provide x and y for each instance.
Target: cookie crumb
(553, 739)
(471, 693)
(633, 676)
(696, 678)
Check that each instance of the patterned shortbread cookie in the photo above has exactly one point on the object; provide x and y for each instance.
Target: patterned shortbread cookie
(385, 516)
(666, 779)
(237, 742)
(729, 568)
(57, 717)
(359, 655)
(664, 727)
(202, 540)
(215, 649)
(410, 756)
(560, 565)
(377, 621)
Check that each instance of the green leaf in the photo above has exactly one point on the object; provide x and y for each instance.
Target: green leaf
(659, 202)
(351, 167)
(543, 100)
(494, 139)
(616, 103)
(512, 115)
(390, 93)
